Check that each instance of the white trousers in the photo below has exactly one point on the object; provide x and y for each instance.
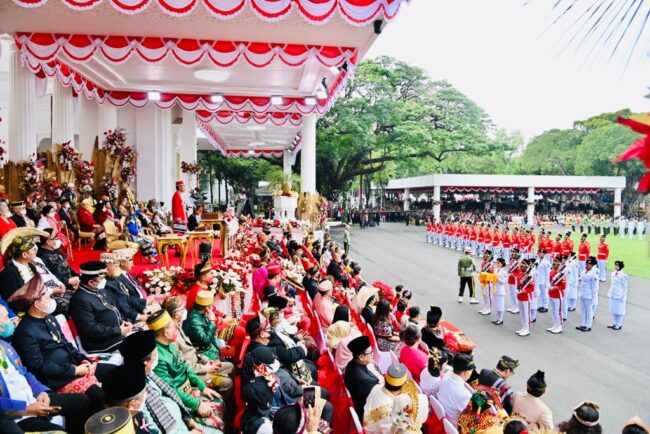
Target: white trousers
(556, 306)
(587, 312)
(602, 269)
(500, 306)
(512, 289)
(524, 314)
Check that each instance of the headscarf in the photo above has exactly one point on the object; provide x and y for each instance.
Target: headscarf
(337, 332)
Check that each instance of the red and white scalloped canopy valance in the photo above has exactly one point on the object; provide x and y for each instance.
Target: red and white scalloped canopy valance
(226, 117)
(355, 12)
(216, 141)
(44, 47)
(81, 85)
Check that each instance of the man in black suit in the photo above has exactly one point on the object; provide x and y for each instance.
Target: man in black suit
(130, 304)
(334, 270)
(360, 377)
(65, 216)
(19, 270)
(20, 215)
(194, 220)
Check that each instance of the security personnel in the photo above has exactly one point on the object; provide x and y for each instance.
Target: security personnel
(466, 270)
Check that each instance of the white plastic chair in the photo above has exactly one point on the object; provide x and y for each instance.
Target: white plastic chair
(437, 408)
(449, 427)
(355, 420)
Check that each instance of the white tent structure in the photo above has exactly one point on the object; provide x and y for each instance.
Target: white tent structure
(532, 184)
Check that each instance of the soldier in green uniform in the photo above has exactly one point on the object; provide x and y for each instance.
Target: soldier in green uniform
(466, 270)
(205, 404)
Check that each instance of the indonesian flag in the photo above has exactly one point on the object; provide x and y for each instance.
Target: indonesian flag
(640, 148)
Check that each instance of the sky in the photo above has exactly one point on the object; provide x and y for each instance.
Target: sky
(508, 57)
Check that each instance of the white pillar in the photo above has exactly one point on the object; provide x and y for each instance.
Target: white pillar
(62, 115)
(188, 145)
(87, 127)
(407, 196)
(618, 202)
(153, 138)
(106, 120)
(22, 134)
(308, 155)
(286, 162)
(530, 206)
(436, 203)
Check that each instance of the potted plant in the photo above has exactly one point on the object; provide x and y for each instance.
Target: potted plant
(285, 188)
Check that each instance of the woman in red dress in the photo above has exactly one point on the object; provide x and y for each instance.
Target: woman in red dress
(49, 220)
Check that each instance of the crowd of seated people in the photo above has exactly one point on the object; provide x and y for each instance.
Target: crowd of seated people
(78, 341)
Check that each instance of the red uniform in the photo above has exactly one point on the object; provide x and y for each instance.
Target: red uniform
(557, 248)
(567, 246)
(524, 293)
(603, 251)
(583, 251)
(86, 220)
(505, 240)
(178, 208)
(557, 290)
(487, 237)
(6, 225)
(496, 239)
(473, 234)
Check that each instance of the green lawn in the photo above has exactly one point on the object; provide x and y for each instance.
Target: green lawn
(633, 252)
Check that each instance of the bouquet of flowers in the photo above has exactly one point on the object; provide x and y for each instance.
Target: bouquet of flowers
(386, 292)
(161, 280)
(232, 224)
(191, 168)
(33, 180)
(292, 271)
(66, 157)
(128, 173)
(52, 189)
(3, 154)
(114, 141)
(109, 187)
(85, 172)
(230, 281)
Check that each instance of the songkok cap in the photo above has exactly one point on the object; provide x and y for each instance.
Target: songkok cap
(636, 421)
(109, 258)
(203, 267)
(137, 346)
(158, 320)
(290, 418)
(325, 286)
(278, 301)
(114, 420)
(473, 378)
(179, 183)
(263, 354)
(274, 269)
(31, 291)
(536, 384)
(174, 304)
(270, 291)
(124, 382)
(396, 375)
(92, 268)
(433, 316)
(358, 346)
(592, 260)
(205, 248)
(125, 254)
(204, 298)
(463, 362)
(568, 233)
(253, 325)
(255, 260)
(17, 204)
(506, 362)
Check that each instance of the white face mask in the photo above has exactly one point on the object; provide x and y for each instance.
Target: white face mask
(52, 214)
(49, 308)
(23, 212)
(275, 366)
(66, 206)
(56, 244)
(101, 284)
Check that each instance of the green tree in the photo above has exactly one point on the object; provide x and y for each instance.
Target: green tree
(551, 153)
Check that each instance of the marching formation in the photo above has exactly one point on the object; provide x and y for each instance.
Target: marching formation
(532, 273)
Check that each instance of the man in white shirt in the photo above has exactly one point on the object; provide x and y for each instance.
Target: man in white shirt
(454, 392)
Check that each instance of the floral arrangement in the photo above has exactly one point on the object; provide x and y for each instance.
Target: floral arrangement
(114, 141)
(66, 156)
(33, 180)
(404, 419)
(51, 189)
(230, 281)
(110, 187)
(386, 292)
(161, 280)
(232, 224)
(128, 173)
(295, 224)
(3, 152)
(191, 168)
(85, 172)
(128, 162)
(292, 271)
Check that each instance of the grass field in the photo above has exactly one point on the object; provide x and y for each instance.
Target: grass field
(633, 252)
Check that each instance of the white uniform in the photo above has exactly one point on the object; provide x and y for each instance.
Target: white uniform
(500, 293)
(588, 291)
(631, 227)
(618, 296)
(544, 270)
(640, 228)
(571, 293)
(454, 395)
(376, 412)
(534, 297)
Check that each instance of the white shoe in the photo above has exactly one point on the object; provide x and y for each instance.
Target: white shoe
(485, 312)
(524, 332)
(460, 299)
(509, 309)
(557, 330)
(473, 301)
(515, 310)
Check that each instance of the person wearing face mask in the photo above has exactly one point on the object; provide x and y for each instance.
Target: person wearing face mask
(87, 223)
(94, 311)
(126, 386)
(6, 222)
(21, 248)
(203, 402)
(57, 265)
(65, 216)
(20, 215)
(39, 341)
(130, 306)
(49, 220)
(163, 409)
(262, 393)
(27, 401)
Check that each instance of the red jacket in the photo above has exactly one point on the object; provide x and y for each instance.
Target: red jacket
(583, 251)
(496, 239)
(524, 294)
(178, 208)
(603, 251)
(557, 290)
(86, 220)
(557, 248)
(567, 246)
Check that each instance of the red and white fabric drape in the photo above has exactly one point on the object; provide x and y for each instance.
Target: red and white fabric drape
(226, 117)
(215, 140)
(44, 47)
(82, 85)
(355, 12)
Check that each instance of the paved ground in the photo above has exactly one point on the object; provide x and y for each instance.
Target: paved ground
(605, 366)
